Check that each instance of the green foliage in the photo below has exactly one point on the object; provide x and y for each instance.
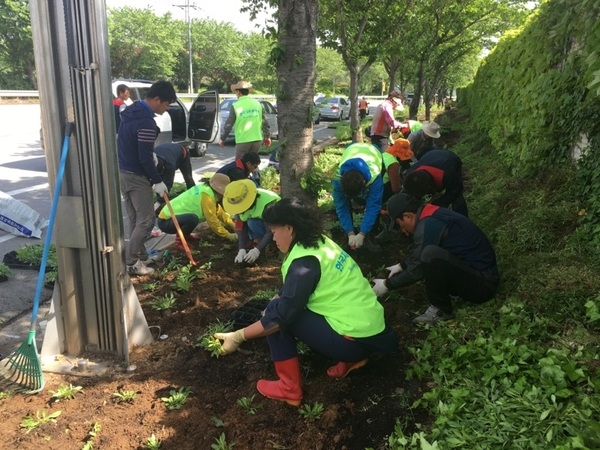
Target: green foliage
(30, 423)
(208, 342)
(91, 436)
(176, 399)
(184, 278)
(4, 270)
(125, 396)
(17, 65)
(265, 294)
(311, 412)
(247, 405)
(32, 255)
(152, 443)
(318, 180)
(269, 179)
(221, 443)
(65, 392)
(163, 302)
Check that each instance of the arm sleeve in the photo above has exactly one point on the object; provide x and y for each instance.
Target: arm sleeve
(342, 207)
(452, 188)
(268, 237)
(145, 143)
(301, 280)
(394, 174)
(209, 208)
(388, 116)
(225, 218)
(373, 207)
(186, 171)
(229, 123)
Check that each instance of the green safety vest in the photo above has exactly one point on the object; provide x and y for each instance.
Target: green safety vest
(388, 160)
(263, 198)
(368, 153)
(343, 295)
(248, 120)
(188, 202)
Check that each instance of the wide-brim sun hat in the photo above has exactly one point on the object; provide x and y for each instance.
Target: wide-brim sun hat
(241, 85)
(218, 182)
(432, 129)
(239, 196)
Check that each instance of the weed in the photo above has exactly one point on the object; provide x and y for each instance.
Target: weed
(221, 443)
(65, 392)
(125, 396)
(208, 342)
(246, 404)
(311, 412)
(177, 398)
(164, 302)
(302, 348)
(152, 443)
(89, 441)
(41, 418)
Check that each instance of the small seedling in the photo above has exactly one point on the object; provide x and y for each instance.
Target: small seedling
(164, 302)
(152, 443)
(246, 404)
(151, 286)
(41, 418)
(32, 255)
(4, 395)
(125, 396)
(89, 443)
(302, 348)
(218, 422)
(177, 398)
(265, 295)
(65, 392)
(184, 279)
(311, 412)
(4, 270)
(211, 344)
(221, 443)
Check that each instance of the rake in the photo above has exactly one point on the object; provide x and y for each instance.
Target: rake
(22, 369)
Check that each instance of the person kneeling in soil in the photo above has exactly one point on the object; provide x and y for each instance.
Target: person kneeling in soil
(452, 255)
(325, 302)
(198, 204)
(248, 202)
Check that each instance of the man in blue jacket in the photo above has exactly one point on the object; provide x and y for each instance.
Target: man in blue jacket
(451, 254)
(358, 177)
(438, 173)
(137, 171)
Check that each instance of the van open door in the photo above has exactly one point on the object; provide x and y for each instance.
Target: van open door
(203, 125)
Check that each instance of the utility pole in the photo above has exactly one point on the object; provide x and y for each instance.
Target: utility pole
(188, 19)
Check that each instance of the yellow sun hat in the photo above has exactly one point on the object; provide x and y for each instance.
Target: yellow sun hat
(239, 196)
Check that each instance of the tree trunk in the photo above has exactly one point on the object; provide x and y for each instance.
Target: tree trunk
(414, 104)
(296, 87)
(354, 118)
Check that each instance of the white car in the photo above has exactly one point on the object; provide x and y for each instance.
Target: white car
(336, 108)
(270, 114)
(193, 128)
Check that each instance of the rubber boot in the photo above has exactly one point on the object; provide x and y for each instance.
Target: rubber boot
(288, 388)
(341, 369)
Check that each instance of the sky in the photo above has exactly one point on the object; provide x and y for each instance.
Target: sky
(219, 10)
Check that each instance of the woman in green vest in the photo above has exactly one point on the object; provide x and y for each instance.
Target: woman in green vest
(325, 302)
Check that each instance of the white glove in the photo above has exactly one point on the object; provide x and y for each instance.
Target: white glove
(396, 268)
(160, 188)
(359, 239)
(351, 238)
(240, 256)
(252, 255)
(155, 158)
(379, 287)
(231, 341)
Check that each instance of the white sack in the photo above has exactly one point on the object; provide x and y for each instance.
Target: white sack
(19, 219)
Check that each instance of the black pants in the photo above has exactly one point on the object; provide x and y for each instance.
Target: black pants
(382, 142)
(187, 223)
(446, 275)
(362, 114)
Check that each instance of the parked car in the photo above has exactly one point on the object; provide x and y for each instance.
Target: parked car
(193, 128)
(336, 108)
(270, 113)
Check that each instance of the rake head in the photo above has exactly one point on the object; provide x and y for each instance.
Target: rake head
(22, 370)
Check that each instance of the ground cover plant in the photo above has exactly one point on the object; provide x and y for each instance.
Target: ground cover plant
(518, 372)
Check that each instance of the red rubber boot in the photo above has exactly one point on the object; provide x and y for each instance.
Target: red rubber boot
(288, 388)
(341, 369)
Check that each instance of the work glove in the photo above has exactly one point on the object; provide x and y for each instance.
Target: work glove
(267, 142)
(252, 255)
(396, 268)
(379, 287)
(240, 256)
(160, 188)
(232, 237)
(351, 238)
(358, 241)
(231, 341)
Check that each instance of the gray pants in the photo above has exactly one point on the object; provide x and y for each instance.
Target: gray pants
(244, 147)
(139, 204)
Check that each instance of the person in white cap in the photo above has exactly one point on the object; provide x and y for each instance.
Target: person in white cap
(422, 141)
(247, 117)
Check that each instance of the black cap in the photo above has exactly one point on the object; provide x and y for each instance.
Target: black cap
(400, 203)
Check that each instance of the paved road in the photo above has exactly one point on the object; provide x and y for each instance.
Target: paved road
(23, 175)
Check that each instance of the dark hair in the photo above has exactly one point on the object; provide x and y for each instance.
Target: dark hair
(122, 88)
(251, 157)
(353, 182)
(306, 220)
(244, 91)
(163, 90)
(419, 183)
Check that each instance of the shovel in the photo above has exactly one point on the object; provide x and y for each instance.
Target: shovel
(179, 232)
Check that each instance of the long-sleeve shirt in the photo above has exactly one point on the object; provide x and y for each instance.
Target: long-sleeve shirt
(216, 217)
(383, 120)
